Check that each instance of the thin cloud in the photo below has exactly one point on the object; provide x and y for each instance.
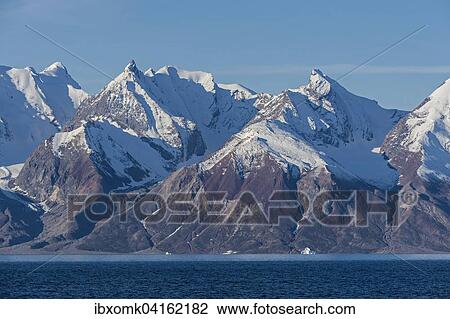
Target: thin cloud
(335, 69)
(412, 69)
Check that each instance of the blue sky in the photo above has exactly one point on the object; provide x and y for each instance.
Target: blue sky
(265, 45)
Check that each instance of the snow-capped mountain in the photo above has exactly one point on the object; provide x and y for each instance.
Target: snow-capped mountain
(133, 133)
(173, 130)
(239, 91)
(33, 106)
(97, 156)
(138, 129)
(418, 148)
(420, 144)
(319, 125)
(181, 113)
(316, 137)
(319, 137)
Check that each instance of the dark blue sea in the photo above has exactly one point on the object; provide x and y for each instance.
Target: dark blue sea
(320, 276)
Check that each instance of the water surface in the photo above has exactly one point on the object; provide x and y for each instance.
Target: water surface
(251, 276)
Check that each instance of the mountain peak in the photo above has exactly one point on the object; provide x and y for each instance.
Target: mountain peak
(318, 72)
(319, 83)
(131, 67)
(238, 89)
(150, 72)
(55, 69)
(31, 69)
(431, 117)
(203, 78)
(437, 104)
(170, 70)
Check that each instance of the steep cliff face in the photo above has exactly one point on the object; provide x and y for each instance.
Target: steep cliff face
(20, 220)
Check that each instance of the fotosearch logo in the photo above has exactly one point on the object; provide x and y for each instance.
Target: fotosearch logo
(332, 208)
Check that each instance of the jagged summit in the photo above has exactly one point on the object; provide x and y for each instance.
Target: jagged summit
(321, 122)
(131, 67)
(56, 69)
(179, 131)
(31, 69)
(203, 78)
(165, 73)
(319, 83)
(320, 86)
(238, 89)
(174, 78)
(182, 114)
(150, 72)
(131, 72)
(318, 72)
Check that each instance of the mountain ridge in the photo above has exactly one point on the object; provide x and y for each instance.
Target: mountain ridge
(34, 107)
(173, 130)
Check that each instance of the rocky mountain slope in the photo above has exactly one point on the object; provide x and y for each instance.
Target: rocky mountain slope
(321, 137)
(133, 133)
(418, 148)
(420, 145)
(20, 220)
(139, 128)
(317, 137)
(320, 125)
(172, 130)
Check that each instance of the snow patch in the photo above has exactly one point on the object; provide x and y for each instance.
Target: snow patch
(63, 139)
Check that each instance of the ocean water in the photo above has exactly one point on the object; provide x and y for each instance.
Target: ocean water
(224, 277)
